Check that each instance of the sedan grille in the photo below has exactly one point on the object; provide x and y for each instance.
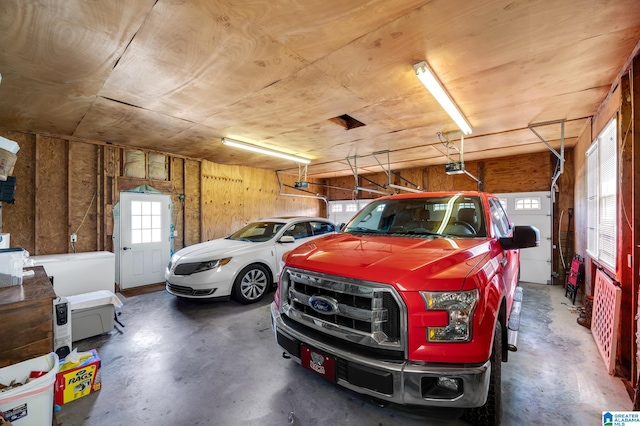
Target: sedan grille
(365, 313)
(188, 291)
(185, 268)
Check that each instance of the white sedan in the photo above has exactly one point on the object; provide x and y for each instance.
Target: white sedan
(245, 264)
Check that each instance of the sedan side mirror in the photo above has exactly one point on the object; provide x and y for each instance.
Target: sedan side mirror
(523, 237)
(287, 239)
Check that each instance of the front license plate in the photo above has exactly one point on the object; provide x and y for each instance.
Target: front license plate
(319, 363)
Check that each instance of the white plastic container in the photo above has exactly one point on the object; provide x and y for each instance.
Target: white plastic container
(30, 404)
(5, 240)
(9, 145)
(8, 157)
(11, 263)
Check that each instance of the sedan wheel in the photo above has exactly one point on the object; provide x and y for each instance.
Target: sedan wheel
(251, 284)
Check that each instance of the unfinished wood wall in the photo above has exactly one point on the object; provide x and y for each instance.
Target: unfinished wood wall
(564, 224)
(233, 196)
(617, 104)
(580, 193)
(192, 205)
(519, 173)
(70, 185)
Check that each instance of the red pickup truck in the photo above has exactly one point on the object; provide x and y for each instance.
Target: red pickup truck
(410, 303)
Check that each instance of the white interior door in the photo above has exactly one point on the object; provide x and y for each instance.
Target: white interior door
(532, 208)
(144, 238)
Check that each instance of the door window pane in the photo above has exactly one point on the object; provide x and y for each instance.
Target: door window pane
(136, 236)
(136, 208)
(146, 222)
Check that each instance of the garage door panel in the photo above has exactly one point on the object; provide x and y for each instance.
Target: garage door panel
(535, 210)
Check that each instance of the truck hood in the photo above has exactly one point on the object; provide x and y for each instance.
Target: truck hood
(410, 264)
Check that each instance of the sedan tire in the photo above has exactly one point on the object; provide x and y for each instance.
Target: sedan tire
(251, 284)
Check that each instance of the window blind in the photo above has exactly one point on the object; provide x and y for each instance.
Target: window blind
(602, 186)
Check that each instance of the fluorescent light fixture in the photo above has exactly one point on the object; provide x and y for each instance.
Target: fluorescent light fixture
(433, 85)
(404, 188)
(266, 151)
(373, 191)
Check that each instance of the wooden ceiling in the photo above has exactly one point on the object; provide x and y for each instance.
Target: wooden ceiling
(177, 75)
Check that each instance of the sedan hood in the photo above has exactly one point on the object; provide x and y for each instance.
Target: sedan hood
(215, 249)
(407, 263)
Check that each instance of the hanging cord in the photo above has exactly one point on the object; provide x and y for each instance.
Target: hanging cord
(620, 174)
(73, 245)
(564, 265)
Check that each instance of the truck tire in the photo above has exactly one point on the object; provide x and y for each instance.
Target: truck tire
(251, 284)
(491, 412)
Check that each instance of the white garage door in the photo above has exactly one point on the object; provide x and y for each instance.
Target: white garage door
(532, 208)
(343, 211)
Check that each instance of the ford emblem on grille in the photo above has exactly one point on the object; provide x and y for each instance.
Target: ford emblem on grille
(323, 305)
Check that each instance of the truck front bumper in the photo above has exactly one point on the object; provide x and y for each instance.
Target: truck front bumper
(406, 382)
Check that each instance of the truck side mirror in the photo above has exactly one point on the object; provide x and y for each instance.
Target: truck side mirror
(523, 237)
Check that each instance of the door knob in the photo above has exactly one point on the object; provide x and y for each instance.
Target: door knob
(126, 248)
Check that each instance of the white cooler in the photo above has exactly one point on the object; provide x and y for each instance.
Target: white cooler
(77, 273)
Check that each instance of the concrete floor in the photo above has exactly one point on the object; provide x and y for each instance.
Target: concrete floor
(191, 363)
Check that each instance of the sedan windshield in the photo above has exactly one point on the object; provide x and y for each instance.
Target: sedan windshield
(257, 232)
(451, 216)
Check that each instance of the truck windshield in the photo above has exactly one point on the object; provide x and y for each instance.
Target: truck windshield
(451, 215)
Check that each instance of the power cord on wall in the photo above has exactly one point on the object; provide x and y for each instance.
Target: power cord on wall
(74, 235)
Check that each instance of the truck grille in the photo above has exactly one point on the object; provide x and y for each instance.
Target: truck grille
(359, 312)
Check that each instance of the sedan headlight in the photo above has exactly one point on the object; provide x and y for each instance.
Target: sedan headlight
(192, 268)
(460, 305)
(211, 264)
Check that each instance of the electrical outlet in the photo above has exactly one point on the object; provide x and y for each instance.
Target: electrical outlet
(74, 238)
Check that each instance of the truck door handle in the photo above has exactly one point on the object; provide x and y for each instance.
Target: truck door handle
(126, 248)
(503, 262)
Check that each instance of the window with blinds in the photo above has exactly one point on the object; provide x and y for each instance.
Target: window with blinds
(602, 188)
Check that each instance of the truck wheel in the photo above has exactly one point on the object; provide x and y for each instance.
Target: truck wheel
(491, 412)
(251, 284)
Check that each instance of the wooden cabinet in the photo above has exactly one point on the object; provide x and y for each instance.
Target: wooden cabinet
(26, 319)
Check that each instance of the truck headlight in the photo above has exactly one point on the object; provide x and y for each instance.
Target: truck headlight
(460, 305)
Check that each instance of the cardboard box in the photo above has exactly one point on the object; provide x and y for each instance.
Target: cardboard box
(74, 381)
(7, 162)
